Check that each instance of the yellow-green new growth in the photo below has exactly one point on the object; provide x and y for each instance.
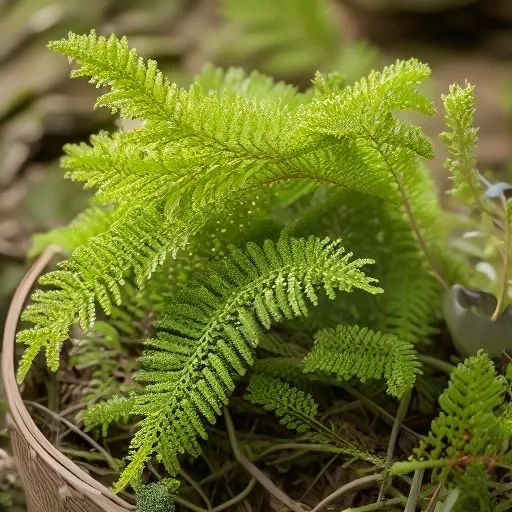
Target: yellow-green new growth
(461, 139)
(198, 152)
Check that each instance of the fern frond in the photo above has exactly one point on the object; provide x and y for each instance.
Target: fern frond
(91, 222)
(106, 355)
(96, 272)
(197, 154)
(254, 85)
(364, 110)
(139, 90)
(295, 408)
(460, 140)
(112, 410)
(352, 351)
(123, 173)
(209, 333)
(411, 304)
(468, 428)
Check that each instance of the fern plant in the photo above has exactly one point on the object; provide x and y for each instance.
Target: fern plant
(351, 351)
(217, 223)
(470, 438)
(163, 179)
(209, 334)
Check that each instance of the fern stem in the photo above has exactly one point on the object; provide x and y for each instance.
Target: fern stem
(410, 215)
(386, 416)
(254, 471)
(197, 488)
(436, 363)
(369, 479)
(108, 458)
(414, 492)
(399, 418)
(399, 468)
(300, 446)
(414, 225)
(502, 296)
(376, 506)
(345, 446)
(236, 499)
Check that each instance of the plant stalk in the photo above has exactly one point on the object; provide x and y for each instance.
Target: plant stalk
(502, 295)
(254, 471)
(346, 488)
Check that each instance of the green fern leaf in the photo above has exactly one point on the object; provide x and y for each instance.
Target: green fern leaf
(87, 224)
(209, 334)
(197, 154)
(255, 85)
(139, 90)
(94, 273)
(469, 423)
(295, 408)
(352, 351)
(364, 111)
(461, 139)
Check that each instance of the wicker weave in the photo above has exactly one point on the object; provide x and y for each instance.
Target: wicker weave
(52, 482)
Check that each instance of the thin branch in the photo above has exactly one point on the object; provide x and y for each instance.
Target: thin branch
(197, 488)
(435, 498)
(108, 458)
(386, 416)
(347, 488)
(399, 418)
(502, 295)
(412, 219)
(415, 491)
(436, 363)
(254, 471)
(236, 499)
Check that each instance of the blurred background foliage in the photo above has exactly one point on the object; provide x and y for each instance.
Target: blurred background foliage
(40, 109)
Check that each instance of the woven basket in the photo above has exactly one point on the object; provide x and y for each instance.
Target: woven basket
(52, 482)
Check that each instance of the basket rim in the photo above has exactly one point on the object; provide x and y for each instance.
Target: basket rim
(19, 414)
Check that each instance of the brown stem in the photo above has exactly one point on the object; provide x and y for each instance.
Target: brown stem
(346, 488)
(254, 471)
(435, 498)
(108, 458)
